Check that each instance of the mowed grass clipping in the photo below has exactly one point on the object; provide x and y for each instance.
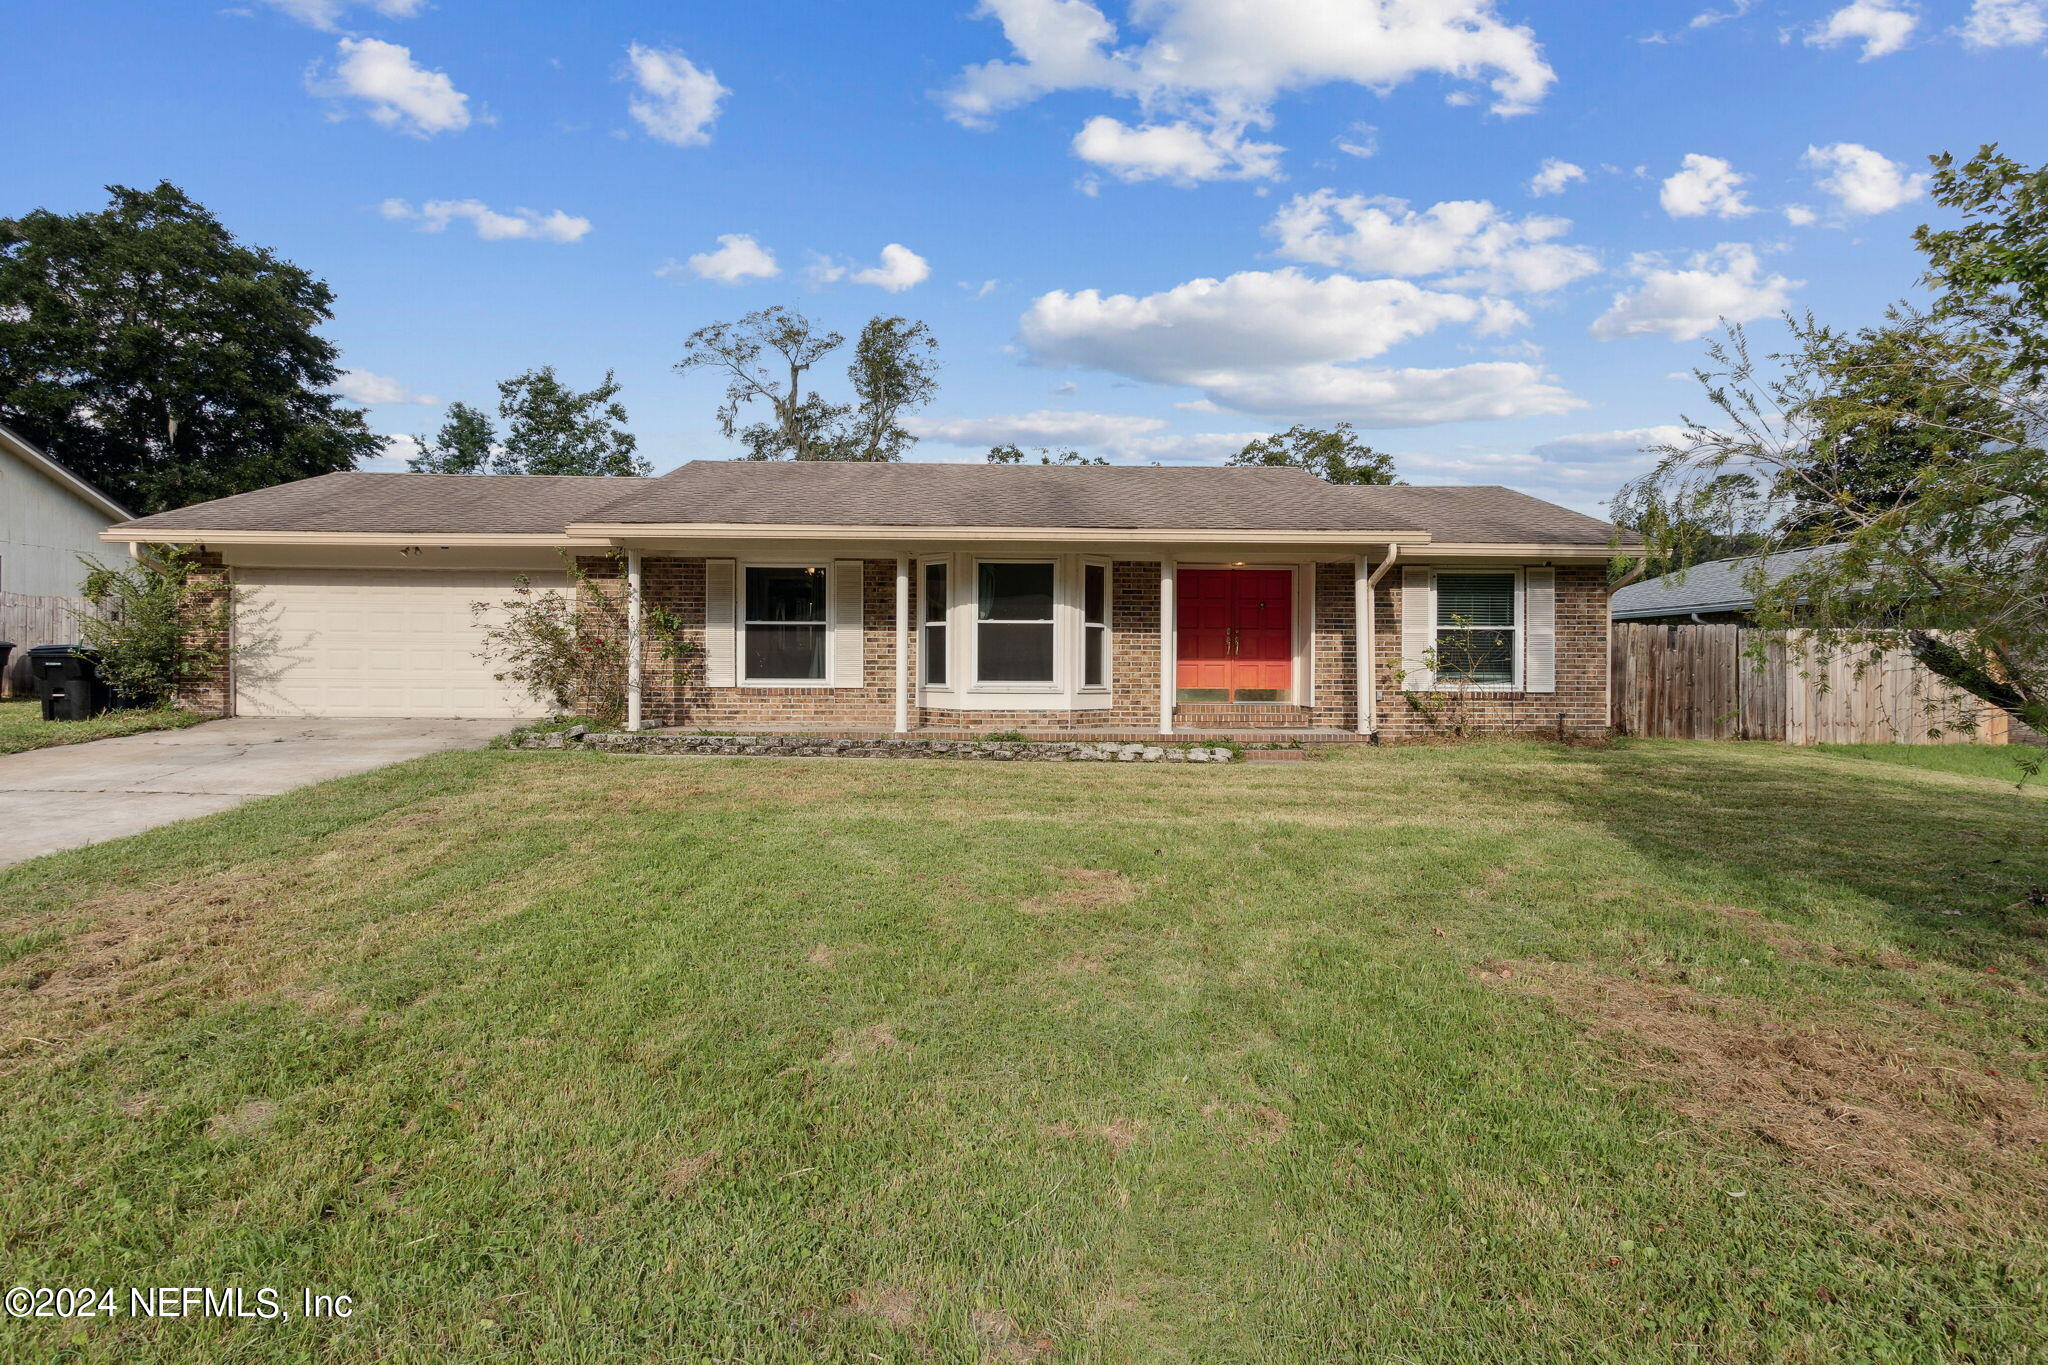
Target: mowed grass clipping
(1506, 1052)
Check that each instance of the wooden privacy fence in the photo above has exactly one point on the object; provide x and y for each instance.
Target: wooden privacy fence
(1699, 682)
(31, 621)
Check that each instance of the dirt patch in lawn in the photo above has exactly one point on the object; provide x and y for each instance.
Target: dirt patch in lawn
(897, 1308)
(1088, 888)
(687, 1172)
(1956, 1137)
(857, 1045)
(1120, 1134)
(242, 1120)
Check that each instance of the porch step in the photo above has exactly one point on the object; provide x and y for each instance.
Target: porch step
(1242, 716)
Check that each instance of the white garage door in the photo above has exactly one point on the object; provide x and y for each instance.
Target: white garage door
(371, 642)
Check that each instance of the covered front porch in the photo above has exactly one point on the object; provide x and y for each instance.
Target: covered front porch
(1070, 639)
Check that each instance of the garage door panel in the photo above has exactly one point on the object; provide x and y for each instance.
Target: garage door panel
(367, 642)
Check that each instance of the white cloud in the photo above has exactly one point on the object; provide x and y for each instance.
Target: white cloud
(360, 386)
(1470, 243)
(1361, 141)
(1222, 63)
(1196, 447)
(1610, 451)
(1704, 185)
(1863, 181)
(1799, 215)
(1686, 302)
(1882, 26)
(738, 258)
(326, 14)
(899, 269)
(1045, 427)
(492, 226)
(2004, 23)
(1181, 152)
(1707, 18)
(397, 92)
(392, 459)
(980, 291)
(1581, 470)
(677, 100)
(1280, 343)
(1553, 176)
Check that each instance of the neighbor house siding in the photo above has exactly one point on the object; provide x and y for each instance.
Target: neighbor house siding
(44, 530)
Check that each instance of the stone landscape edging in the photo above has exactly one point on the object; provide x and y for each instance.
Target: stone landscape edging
(816, 746)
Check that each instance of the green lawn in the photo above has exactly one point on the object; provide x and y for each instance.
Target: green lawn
(22, 726)
(1665, 1052)
(2006, 762)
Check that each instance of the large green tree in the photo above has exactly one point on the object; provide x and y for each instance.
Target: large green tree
(1913, 451)
(162, 359)
(1332, 454)
(463, 445)
(765, 358)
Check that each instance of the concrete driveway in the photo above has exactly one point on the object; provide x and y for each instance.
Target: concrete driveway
(87, 793)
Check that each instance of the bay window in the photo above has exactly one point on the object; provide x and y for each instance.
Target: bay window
(1014, 622)
(783, 624)
(932, 643)
(1476, 629)
(1094, 625)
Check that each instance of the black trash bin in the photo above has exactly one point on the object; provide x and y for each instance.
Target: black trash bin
(69, 681)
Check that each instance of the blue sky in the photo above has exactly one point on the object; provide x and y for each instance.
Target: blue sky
(1148, 230)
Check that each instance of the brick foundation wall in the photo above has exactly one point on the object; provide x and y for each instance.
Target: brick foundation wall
(674, 693)
(209, 690)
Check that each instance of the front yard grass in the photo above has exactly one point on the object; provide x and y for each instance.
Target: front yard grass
(1509, 1052)
(2015, 763)
(22, 726)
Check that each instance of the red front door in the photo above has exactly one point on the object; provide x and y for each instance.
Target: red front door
(1234, 633)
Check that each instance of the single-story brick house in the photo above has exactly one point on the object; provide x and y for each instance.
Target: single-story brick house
(931, 597)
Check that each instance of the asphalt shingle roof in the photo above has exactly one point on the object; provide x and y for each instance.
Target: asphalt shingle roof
(742, 492)
(1716, 585)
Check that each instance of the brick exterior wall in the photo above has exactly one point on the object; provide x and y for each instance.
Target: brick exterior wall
(209, 690)
(1579, 705)
(674, 694)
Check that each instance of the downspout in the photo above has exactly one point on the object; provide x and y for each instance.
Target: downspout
(633, 641)
(902, 645)
(1368, 644)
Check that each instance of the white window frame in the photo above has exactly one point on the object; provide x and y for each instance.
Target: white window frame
(741, 623)
(1520, 630)
(970, 591)
(945, 623)
(1108, 626)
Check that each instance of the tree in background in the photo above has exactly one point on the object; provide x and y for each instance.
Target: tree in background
(462, 446)
(1334, 455)
(1913, 450)
(163, 360)
(1014, 454)
(550, 428)
(1686, 526)
(764, 358)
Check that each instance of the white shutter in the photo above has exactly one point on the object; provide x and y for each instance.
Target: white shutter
(849, 631)
(1418, 628)
(1539, 630)
(719, 647)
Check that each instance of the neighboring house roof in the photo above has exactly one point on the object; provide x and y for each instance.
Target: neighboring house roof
(28, 453)
(779, 496)
(425, 504)
(1717, 585)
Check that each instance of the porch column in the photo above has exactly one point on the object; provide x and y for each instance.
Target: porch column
(1361, 621)
(1167, 666)
(902, 645)
(633, 671)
